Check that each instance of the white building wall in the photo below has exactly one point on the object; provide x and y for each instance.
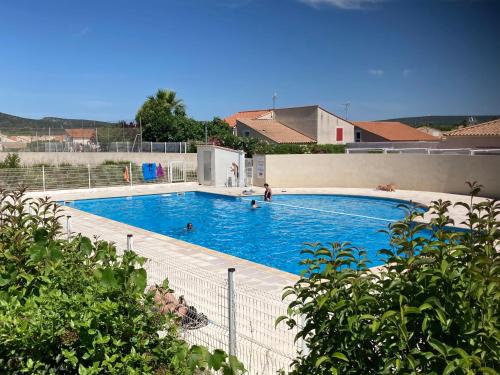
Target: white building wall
(227, 166)
(327, 128)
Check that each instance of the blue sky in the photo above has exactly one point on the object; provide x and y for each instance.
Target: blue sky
(388, 58)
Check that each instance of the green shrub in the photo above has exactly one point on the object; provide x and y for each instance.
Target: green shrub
(433, 309)
(327, 149)
(76, 307)
(116, 162)
(11, 161)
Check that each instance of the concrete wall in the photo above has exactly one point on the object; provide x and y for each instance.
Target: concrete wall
(440, 173)
(471, 142)
(302, 119)
(95, 158)
(327, 128)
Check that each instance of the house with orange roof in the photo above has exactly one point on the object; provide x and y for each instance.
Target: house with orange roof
(301, 125)
(485, 135)
(389, 131)
(81, 136)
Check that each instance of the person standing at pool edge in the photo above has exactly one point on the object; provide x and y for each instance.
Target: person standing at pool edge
(268, 194)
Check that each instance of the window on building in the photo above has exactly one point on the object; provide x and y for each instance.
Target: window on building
(340, 134)
(358, 136)
(246, 133)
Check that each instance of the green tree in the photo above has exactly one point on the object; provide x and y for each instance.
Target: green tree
(164, 102)
(432, 309)
(163, 118)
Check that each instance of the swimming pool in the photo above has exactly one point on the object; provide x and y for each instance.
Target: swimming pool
(272, 235)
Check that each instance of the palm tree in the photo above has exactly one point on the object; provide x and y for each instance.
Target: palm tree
(162, 100)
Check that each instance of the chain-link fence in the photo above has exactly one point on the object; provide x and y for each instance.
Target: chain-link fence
(240, 319)
(45, 178)
(85, 139)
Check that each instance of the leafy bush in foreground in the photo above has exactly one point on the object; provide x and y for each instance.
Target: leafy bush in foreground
(76, 307)
(433, 309)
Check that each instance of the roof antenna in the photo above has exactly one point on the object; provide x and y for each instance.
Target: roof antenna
(346, 105)
(275, 95)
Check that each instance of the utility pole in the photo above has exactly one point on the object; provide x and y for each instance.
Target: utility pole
(275, 95)
(140, 130)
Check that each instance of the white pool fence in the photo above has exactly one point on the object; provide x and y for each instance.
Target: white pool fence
(43, 178)
(241, 319)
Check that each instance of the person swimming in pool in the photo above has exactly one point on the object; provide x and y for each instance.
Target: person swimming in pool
(268, 194)
(189, 226)
(254, 204)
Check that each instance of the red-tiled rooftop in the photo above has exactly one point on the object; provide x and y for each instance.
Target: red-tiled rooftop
(276, 131)
(490, 128)
(394, 131)
(81, 133)
(252, 115)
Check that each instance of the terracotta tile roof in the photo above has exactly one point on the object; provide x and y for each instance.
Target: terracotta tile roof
(252, 115)
(276, 131)
(490, 128)
(394, 131)
(80, 133)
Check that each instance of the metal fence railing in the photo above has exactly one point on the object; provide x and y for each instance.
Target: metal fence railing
(249, 317)
(426, 151)
(45, 178)
(71, 146)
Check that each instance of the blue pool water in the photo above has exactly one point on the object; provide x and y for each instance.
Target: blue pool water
(272, 235)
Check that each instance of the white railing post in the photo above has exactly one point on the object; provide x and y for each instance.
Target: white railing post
(68, 227)
(130, 174)
(184, 174)
(151, 146)
(165, 145)
(129, 242)
(170, 172)
(180, 147)
(88, 169)
(231, 311)
(128, 149)
(43, 177)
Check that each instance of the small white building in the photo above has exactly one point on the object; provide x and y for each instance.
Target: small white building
(220, 166)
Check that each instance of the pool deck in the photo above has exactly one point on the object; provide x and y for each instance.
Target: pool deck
(199, 258)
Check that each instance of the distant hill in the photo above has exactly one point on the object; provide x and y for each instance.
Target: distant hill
(19, 125)
(442, 122)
